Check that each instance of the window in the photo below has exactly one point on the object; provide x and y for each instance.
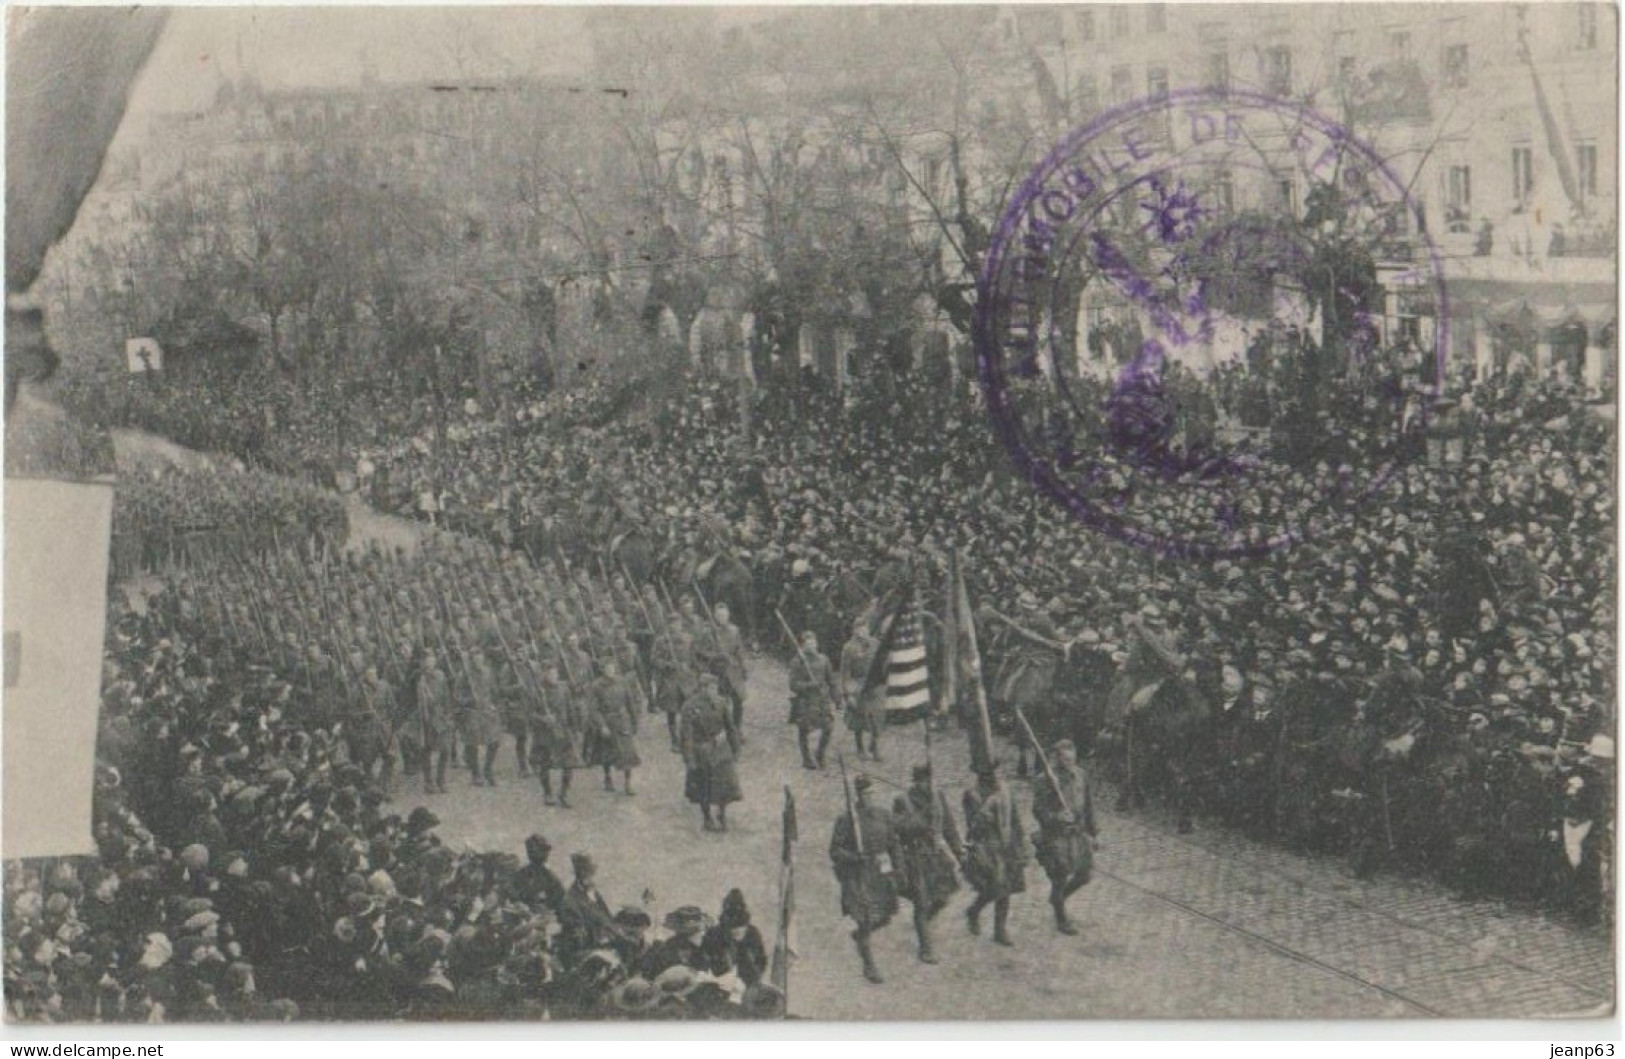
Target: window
(1156, 19)
(1399, 45)
(1458, 198)
(1156, 82)
(1347, 69)
(1217, 70)
(1585, 158)
(1120, 21)
(1278, 71)
(1523, 175)
(1588, 27)
(1088, 94)
(1224, 191)
(1086, 25)
(1122, 84)
(1287, 190)
(1455, 66)
(933, 174)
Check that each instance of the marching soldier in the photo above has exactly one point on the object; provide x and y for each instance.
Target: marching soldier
(615, 745)
(1066, 830)
(372, 735)
(674, 674)
(863, 703)
(812, 696)
(481, 722)
(731, 674)
(995, 857)
(931, 850)
(432, 723)
(511, 702)
(710, 745)
(865, 854)
(558, 738)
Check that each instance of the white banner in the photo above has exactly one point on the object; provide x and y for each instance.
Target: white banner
(56, 537)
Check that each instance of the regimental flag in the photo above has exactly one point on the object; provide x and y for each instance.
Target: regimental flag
(784, 944)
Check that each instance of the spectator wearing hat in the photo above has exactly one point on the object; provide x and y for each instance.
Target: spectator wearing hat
(683, 945)
(635, 998)
(735, 945)
(584, 918)
(995, 851)
(1065, 813)
(931, 850)
(535, 885)
(633, 945)
(865, 854)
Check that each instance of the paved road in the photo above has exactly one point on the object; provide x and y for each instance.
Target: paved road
(1208, 925)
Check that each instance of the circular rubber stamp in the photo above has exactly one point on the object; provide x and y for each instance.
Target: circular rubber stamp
(1212, 324)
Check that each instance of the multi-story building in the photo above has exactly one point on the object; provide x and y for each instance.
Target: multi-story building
(1501, 118)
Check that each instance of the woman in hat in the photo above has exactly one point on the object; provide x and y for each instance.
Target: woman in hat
(734, 944)
(687, 926)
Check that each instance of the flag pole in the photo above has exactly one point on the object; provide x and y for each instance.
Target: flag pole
(978, 685)
(783, 948)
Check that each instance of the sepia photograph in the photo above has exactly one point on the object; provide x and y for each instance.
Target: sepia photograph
(836, 512)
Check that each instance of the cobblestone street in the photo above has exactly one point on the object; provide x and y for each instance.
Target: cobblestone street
(1209, 925)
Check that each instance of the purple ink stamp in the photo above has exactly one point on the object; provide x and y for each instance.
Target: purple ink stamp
(1212, 324)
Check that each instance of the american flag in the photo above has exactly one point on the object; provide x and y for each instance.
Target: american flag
(908, 677)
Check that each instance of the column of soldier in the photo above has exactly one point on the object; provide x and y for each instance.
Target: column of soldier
(163, 516)
(466, 646)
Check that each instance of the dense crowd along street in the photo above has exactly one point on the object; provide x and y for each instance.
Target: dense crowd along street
(733, 514)
(301, 684)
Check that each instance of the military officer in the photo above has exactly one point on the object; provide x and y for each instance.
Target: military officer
(710, 746)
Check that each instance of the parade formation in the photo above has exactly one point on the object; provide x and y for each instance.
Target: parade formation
(406, 592)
